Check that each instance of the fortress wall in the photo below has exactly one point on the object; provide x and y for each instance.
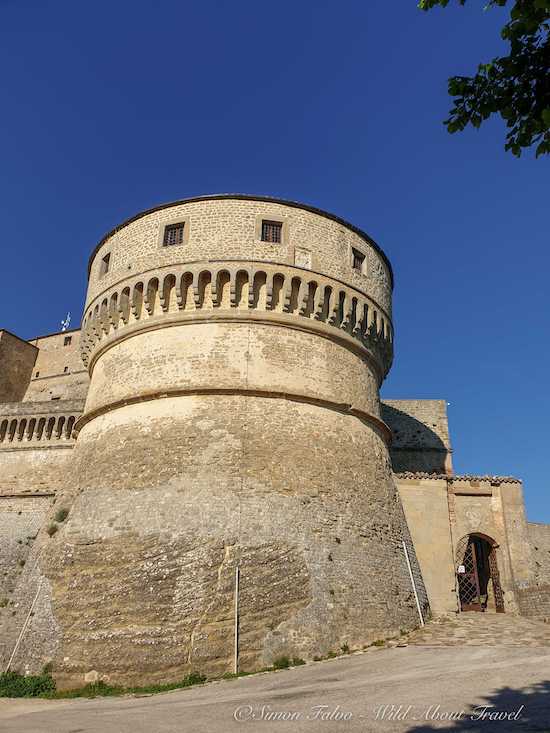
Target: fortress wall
(21, 518)
(427, 513)
(540, 543)
(233, 356)
(49, 379)
(186, 488)
(33, 469)
(17, 358)
(420, 435)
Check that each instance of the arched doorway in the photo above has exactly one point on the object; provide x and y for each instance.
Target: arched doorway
(477, 574)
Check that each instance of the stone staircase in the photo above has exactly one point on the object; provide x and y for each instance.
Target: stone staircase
(482, 629)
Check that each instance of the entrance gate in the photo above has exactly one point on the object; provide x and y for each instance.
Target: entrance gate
(476, 567)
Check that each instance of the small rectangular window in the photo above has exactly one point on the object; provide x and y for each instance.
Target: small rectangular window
(104, 266)
(173, 234)
(65, 370)
(67, 340)
(358, 260)
(37, 374)
(272, 231)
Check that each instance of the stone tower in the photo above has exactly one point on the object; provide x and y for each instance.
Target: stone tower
(236, 345)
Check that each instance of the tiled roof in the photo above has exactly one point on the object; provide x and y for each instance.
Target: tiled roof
(495, 480)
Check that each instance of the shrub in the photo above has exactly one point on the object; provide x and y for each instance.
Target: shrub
(13, 684)
(345, 648)
(297, 661)
(52, 529)
(281, 663)
(61, 515)
(194, 678)
(378, 642)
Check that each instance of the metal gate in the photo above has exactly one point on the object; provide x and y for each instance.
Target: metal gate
(476, 564)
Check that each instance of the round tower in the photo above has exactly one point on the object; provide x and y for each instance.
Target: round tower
(236, 345)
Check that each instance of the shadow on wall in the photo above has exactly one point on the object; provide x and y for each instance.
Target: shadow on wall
(415, 446)
(504, 710)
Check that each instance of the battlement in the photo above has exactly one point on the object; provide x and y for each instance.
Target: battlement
(234, 290)
(38, 424)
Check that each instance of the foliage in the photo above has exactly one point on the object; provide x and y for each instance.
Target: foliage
(516, 86)
(13, 684)
(52, 529)
(281, 663)
(61, 515)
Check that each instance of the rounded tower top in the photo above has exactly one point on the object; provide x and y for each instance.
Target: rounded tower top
(236, 226)
(247, 197)
(234, 256)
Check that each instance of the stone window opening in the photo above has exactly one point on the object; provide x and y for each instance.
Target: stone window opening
(357, 260)
(65, 370)
(272, 231)
(67, 340)
(36, 375)
(173, 234)
(104, 265)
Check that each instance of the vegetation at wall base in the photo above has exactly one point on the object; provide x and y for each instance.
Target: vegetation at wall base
(13, 684)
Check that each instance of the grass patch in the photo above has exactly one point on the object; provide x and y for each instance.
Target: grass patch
(102, 689)
(13, 684)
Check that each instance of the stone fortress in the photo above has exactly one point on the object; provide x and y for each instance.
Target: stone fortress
(217, 419)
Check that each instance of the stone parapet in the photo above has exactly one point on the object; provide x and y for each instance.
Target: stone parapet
(38, 424)
(236, 290)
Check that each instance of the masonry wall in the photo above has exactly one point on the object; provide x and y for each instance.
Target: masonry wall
(535, 602)
(427, 512)
(21, 518)
(17, 359)
(420, 435)
(58, 373)
(540, 544)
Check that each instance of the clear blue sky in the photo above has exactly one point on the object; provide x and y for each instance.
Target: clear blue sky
(111, 107)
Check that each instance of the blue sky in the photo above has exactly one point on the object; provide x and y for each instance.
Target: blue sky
(111, 107)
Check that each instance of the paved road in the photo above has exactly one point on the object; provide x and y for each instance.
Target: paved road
(357, 687)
